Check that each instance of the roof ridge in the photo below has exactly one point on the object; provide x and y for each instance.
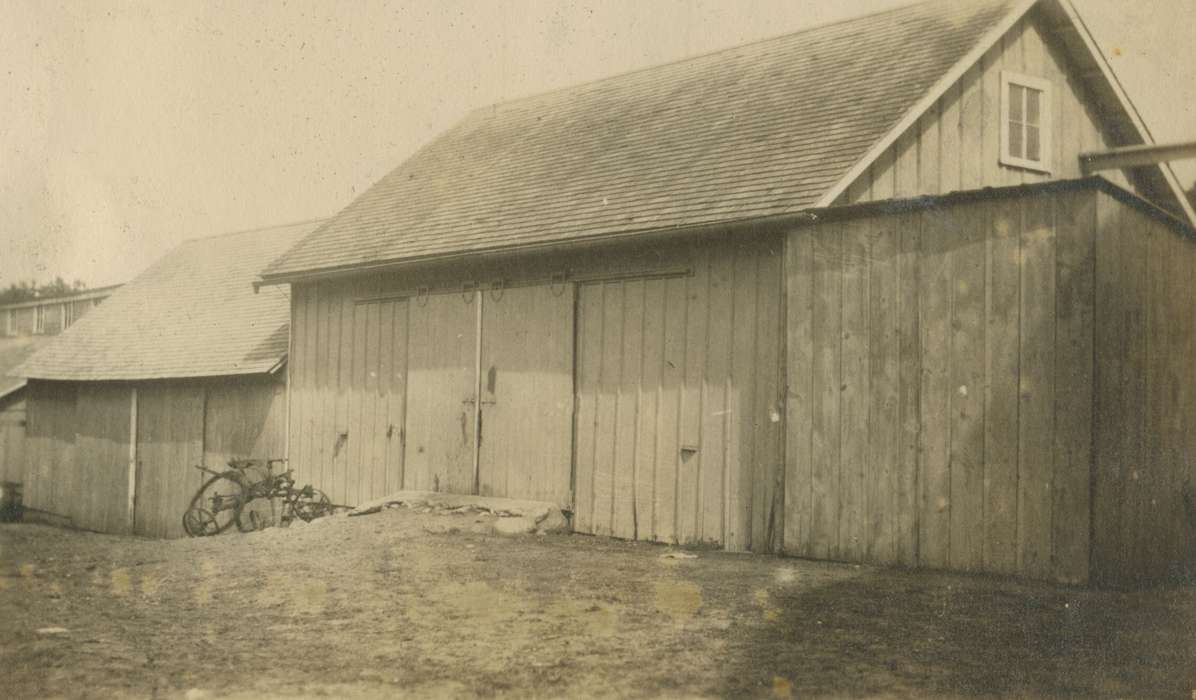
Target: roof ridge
(714, 52)
(256, 229)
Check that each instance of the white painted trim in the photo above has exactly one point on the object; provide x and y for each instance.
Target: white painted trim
(1129, 107)
(1043, 165)
(928, 100)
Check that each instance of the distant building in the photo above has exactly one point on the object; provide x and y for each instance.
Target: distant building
(183, 365)
(25, 327)
(49, 316)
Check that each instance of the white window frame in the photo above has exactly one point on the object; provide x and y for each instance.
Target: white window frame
(1043, 165)
(39, 319)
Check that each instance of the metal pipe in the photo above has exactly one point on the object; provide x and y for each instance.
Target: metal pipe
(1136, 156)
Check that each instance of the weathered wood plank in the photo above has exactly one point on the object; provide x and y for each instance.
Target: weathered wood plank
(951, 140)
(907, 489)
(1001, 346)
(825, 441)
(589, 388)
(379, 329)
(649, 427)
(971, 145)
(1075, 229)
(768, 510)
(854, 391)
(717, 407)
(666, 489)
(987, 123)
(605, 462)
(929, 154)
(967, 386)
(905, 165)
(934, 305)
(626, 432)
(693, 448)
(1036, 387)
(799, 400)
(340, 372)
(884, 428)
(741, 475)
(1107, 427)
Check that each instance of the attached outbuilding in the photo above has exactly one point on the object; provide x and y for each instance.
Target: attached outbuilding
(182, 366)
(844, 294)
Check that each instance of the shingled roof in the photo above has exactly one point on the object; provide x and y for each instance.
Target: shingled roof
(754, 131)
(194, 313)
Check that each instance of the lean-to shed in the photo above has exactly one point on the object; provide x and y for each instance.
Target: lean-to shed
(640, 298)
(182, 365)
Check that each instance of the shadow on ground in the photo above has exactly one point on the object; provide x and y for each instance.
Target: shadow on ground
(917, 634)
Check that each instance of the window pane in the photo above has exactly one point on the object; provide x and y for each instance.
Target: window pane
(1015, 140)
(1033, 146)
(1032, 99)
(1015, 102)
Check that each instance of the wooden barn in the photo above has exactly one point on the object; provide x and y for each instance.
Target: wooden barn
(182, 365)
(844, 294)
(25, 327)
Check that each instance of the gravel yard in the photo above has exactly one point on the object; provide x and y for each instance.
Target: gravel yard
(398, 603)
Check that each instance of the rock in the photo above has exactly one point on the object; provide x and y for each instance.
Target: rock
(196, 694)
(678, 555)
(53, 630)
(441, 529)
(553, 523)
(514, 526)
(298, 523)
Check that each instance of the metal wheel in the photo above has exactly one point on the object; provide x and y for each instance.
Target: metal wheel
(198, 522)
(220, 500)
(308, 507)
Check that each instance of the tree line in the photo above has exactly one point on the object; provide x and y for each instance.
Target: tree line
(28, 290)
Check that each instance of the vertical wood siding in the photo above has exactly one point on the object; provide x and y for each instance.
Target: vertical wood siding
(95, 489)
(170, 442)
(77, 446)
(678, 422)
(442, 380)
(525, 446)
(956, 145)
(940, 387)
(349, 377)
(1146, 395)
(12, 442)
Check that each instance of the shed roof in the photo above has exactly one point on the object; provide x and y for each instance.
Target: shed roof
(194, 313)
(14, 351)
(754, 131)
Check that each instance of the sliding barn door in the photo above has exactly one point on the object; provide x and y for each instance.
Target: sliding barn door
(525, 442)
(441, 390)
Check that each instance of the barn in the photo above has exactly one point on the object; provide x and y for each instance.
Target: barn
(848, 294)
(25, 327)
(182, 365)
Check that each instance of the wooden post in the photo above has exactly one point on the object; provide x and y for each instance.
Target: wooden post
(132, 472)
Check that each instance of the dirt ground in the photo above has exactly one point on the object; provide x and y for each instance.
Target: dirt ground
(377, 606)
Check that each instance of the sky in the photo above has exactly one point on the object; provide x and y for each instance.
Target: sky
(127, 127)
